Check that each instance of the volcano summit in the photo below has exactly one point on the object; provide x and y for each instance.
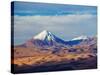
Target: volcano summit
(44, 39)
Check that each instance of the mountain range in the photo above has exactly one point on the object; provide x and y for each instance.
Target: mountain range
(47, 39)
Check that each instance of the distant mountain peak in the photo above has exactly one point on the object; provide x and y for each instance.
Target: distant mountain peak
(45, 35)
(80, 38)
(46, 38)
(42, 35)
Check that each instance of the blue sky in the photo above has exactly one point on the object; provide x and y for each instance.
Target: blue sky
(65, 21)
(25, 8)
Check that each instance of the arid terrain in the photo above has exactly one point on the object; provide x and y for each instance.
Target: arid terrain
(40, 60)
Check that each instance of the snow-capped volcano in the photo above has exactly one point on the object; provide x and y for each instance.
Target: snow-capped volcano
(44, 35)
(46, 38)
(80, 38)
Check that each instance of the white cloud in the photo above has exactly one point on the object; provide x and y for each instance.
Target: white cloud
(64, 26)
